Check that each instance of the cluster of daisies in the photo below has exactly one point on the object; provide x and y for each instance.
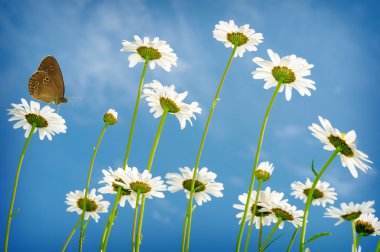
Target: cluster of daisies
(132, 182)
(264, 206)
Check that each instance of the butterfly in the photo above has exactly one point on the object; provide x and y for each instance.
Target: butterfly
(46, 84)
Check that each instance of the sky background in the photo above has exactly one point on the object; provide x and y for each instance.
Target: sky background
(340, 38)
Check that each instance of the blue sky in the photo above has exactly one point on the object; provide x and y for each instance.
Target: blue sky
(340, 38)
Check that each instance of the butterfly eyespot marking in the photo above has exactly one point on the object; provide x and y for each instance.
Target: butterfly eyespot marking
(36, 83)
(35, 92)
(46, 71)
(51, 68)
(35, 88)
(45, 80)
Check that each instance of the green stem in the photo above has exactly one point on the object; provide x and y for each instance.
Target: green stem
(108, 227)
(378, 246)
(271, 234)
(310, 197)
(10, 213)
(138, 237)
(188, 216)
(353, 235)
(360, 235)
(292, 239)
(134, 221)
(184, 234)
(71, 235)
(111, 219)
(81, 237)
(257, 156)
(149, 168)
(248, 238)
(260, 232)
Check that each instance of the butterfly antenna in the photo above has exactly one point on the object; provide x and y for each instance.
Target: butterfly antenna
(59, 106)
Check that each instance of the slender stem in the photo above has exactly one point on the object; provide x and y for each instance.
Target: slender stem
(184, 233)
(190, 203)
(149, 168)
(156, 140)
(292, 239)
(108, 227)
(71, 235)
(360, 235)
(82, 228)
(353, 235)
(137, 103)
(248, 238)
(134, 221)
(257, 156)
(378, 246)
(10, 213)
(260, 232)
(310, 197)
(138, 237)
(271, 234)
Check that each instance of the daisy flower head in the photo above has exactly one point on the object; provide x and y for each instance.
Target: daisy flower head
(284, 211)
(161, 98)
(367, 224)
(350, 211)
(243, 37)
(265, 197)
(264, 171)
(93, 203)
(110, 117)
(46, 121)
(204, 185)
(143, 183)
(333, 139)
(154, 51)
(322, 194)
(111, 179)
(289, 71)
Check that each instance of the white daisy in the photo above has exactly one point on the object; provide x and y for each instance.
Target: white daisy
(264, 171)
(143, 183)
(285, 211)
(367, 224)
(289, 70)
(204, 184)
(156, 51)
(110, 179)
(110, 117)
(350, 211)
(47, 122)
(243, 37)
(322, 193)
(94, 205)
(350, 156)
(265, 197)
(161, 97)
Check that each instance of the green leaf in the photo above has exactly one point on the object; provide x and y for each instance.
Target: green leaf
(314, 237)
(312, 168)
(275, 239)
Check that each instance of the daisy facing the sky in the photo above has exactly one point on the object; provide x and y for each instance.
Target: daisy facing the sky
(350, 211)
(161, 98)
(94, 204)
(154, 51)
(46, 121)
(243, 37)
(367, 224)
(265, 197)
(289, 71)
(111, 178)
(204, 186)
(284, 211)
(322, 194)
(350, 156)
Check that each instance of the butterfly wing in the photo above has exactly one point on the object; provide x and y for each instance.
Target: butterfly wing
(42, 87)
(50, 65)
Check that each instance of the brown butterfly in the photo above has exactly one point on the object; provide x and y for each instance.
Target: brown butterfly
(46, 84)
